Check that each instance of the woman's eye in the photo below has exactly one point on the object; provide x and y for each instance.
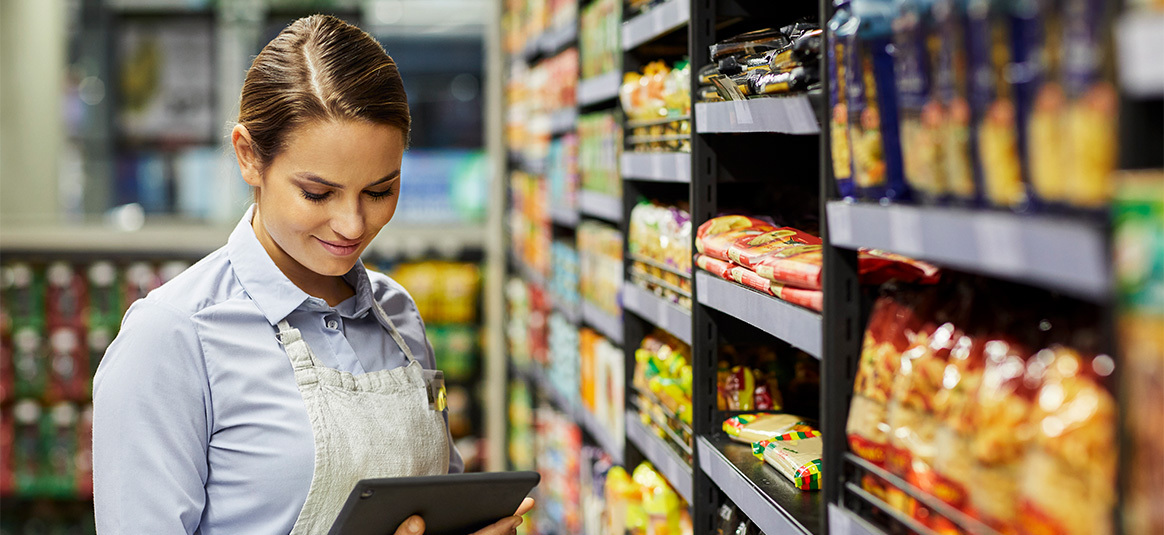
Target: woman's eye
(381, 194)
(315, 197)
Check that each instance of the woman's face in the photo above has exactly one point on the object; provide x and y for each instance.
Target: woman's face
(325, 197)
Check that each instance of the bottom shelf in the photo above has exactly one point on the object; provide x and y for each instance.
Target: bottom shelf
(767, 498)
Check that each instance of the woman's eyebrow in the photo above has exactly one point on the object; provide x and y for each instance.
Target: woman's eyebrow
(304, 175)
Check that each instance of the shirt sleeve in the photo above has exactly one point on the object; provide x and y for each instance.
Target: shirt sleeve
(151, 414)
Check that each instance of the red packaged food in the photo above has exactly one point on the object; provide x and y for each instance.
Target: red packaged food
(804, 297)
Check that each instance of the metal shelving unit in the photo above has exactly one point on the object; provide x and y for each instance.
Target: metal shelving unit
(601, 206)
(598, 89)
(608, 325)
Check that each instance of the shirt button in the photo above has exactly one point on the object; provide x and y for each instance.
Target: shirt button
(332, 324)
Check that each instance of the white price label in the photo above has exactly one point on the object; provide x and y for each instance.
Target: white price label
(839, 522)
(840, 223)
(743, 113)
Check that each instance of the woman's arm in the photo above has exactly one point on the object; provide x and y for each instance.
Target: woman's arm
(151, 414)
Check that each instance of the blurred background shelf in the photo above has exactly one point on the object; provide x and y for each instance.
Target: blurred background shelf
(666, 460)
(658, 21)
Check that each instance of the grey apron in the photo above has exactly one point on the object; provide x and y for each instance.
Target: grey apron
(387, 423)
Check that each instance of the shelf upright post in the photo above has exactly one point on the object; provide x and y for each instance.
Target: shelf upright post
(704, 332)
(843, 320)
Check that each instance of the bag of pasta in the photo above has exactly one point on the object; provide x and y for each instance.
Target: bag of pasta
(1001, 419)
(1067, 482)
(953, 405)
(886, 337)
(717, 235)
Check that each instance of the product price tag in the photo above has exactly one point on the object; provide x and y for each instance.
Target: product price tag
(905, 230)
(839, 522)
(999, 242)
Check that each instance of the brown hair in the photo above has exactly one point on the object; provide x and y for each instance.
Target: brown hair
(319, 68)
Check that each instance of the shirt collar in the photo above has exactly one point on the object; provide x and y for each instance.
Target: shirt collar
(271, 290)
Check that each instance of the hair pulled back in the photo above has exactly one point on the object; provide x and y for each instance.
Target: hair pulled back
(319, 68)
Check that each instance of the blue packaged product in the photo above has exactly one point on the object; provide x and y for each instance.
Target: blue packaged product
(841, 34)
(952, 93)
(873, 105)
(993, 105)
(1092, 102)
(919, 116)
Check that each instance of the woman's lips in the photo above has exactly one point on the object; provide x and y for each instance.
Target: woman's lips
(340, 249)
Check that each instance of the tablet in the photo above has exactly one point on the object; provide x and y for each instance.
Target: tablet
(453, 504)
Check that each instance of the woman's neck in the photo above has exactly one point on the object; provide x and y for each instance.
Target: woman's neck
(333, 289)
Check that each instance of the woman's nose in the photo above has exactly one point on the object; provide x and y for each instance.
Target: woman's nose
(348, 221)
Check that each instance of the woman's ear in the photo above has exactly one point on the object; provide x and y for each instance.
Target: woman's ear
(248, 160)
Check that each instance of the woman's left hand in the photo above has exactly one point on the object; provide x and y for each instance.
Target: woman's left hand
(414, 525)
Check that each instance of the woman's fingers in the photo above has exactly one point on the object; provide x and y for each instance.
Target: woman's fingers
(525, 506)
(413, 525)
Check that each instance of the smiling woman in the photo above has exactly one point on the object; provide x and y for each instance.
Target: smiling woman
(250, 393)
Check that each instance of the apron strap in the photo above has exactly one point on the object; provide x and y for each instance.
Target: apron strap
(395, 333)
(297, 350)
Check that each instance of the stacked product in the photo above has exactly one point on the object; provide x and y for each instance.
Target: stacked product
(662, 379)
(444, 292)
(525, 332)
(1139, 242)
(788, 443)
(529, 222)
(659, 240)
(657, 104)
(596, 464)
(520, 438)
(600, 262)
(762, 63)
(602, 381)
(561, 81)
(564, 277)
(786, 262)
(562, 173)
(599, 147)
(525, 21)
(751, 377)
(564, 359)
(56, 321)
(599, 36)
(936, 76)
(644, 503)
(559, 454)
(998, 408)
(533, 95)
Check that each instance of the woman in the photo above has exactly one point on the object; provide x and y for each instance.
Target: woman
(250, 393)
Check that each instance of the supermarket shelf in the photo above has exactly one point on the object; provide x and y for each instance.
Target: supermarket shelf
(570, 312)
(845, 522)
(766, 497)
(658, 311)
(666, 460)
(556, 39)
(601, 435)
(1069, 255)
(610, 326)
(658, 166)
(564, 217)
(528, 273)
(600, 205)
(1139, 40)
(598, 88)
(797, 326)
(655, 23)
(786, 115)
(563, 121)
(556, 397)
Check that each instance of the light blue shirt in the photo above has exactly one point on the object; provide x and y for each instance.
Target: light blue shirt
(198, 424)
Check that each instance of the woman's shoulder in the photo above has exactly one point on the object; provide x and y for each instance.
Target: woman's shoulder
(387, 291)
(208, 282)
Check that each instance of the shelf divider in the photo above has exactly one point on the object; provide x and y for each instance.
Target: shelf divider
(772, 502)
(656, 166)
(797, 326)
(666, 460)
(662, 313)
(1069, 255)
(792, 114)
(655, 23)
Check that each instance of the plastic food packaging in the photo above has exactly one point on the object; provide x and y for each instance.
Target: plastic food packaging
(797, 459)
(872, 105)
(952, 102)
(813, 299)
(841, 33)
(918, 116)
(751, 428)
